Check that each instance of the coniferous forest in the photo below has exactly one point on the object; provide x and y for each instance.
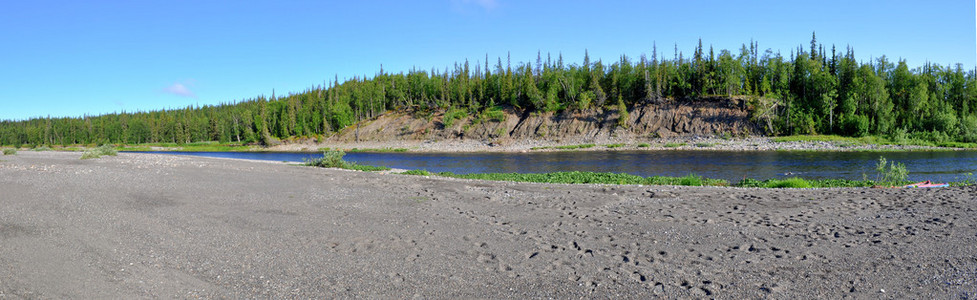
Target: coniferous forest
(812, 90)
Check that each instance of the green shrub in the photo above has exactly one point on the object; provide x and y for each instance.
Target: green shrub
(891, 173)
(644, 145)
(704, 145)
(9, 151)
(452, 115)
(99, 152)
(612, 146)
(334, 159)
(674, 145)
(330, 159)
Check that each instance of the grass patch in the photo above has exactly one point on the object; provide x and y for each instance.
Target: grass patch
(573, 147)
(612, 146)
(796, 182)
(417, 172)
(9, 151)
(644, 145)
(704, 145)
(42, 148)
(334, 159)
(99, 152)
(577, 177)
(366, 168)
(674, 145)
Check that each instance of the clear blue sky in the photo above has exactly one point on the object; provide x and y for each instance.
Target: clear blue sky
(71, 58)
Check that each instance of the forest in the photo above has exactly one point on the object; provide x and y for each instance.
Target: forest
(812, 90)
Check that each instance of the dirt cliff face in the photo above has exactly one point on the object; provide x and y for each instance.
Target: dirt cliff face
(703, 117)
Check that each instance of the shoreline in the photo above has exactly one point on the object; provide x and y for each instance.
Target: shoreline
(610, 144)
(526, 146)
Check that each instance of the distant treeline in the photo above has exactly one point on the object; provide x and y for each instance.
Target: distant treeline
(811, 91)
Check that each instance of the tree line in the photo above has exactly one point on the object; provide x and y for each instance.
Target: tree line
(810, 91)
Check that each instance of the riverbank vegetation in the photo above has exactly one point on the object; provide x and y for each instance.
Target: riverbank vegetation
(810, 90)
(889, 174)
(99, 152)
(334, 159)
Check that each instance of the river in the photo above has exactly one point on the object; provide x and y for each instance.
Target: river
(939, 166)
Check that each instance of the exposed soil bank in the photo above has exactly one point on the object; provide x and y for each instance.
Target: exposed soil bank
(713, 123)
(160, 226)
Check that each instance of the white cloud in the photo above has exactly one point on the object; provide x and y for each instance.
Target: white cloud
(179, 89)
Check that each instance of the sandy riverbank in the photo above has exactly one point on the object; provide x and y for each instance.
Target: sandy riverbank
(162, 226)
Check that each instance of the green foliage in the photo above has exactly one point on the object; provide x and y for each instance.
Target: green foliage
(334, 159)
(452, 115)
(622, 113)
(825, 138)
(794, 182)
(968, 180)
(891, 173)
(674, 145)
(9, 151)
(704, 145)
(99, 152)
(644, 145)
(494, 113)
(691, 180)
(417, 172)
(612, 146)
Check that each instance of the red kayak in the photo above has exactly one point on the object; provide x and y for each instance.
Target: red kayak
(927, 184)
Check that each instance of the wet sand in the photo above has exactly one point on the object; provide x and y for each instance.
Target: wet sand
(162, 226)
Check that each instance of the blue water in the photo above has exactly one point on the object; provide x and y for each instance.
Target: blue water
(730, 165)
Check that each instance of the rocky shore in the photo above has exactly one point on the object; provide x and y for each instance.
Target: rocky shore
(674, 143)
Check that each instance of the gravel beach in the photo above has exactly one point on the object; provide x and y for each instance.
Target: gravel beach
(600, 144)
(164, 226)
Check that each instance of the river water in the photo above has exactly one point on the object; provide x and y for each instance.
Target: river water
(939, 166)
